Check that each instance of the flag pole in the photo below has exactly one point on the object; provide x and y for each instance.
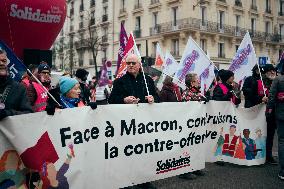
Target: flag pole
(141, 66)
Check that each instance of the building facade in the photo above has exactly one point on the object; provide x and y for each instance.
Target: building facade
(218, 26)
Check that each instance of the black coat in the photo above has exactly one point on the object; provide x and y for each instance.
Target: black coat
(218, 94)
(16, 102)
(250, 92)
(128, 85)
(167, 94)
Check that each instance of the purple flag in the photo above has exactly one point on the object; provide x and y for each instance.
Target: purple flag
(122, 44)
(104, 76)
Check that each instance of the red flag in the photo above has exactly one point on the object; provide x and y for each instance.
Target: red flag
(129, 46)
(44, 151)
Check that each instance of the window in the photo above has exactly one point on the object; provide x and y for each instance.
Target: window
(281, 31)
(267, 27)
(175, 47)
(139, 47)
(237, 47)
(138, 23)
(154, 49)
(203, 16)
(155, 19)
(203, 45)
(105, 10)
(267, 6)
(123, 22)
(221, 19)
(81, 62)
(122, 4)
(238, 18)
(174, 12)
(253, 22)
(221, 50)
(281, 7)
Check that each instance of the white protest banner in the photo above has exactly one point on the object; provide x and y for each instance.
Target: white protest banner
(193, 60)
(120, 145)
(241, 136)
(113, 146)
(244, 60)
(170, 65)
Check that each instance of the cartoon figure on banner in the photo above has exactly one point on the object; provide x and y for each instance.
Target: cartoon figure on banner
(53, 179)
(260, 142)
(249, 145)
(219, 145)
(10, 168)
(240, 153)
(230, 142)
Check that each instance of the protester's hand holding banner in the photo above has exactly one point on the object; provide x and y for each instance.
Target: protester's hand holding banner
(113, 148)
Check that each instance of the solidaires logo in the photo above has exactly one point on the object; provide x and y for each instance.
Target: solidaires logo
(172, 164)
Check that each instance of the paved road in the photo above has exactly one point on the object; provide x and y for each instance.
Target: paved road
(230, 176)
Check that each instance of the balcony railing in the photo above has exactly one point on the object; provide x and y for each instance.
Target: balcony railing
(238, 3)
(137, 33)
(211, 27)
(253, 7)
(83, 43)
(138, 6)
(223, 1)
(104, 18)
(154, 2)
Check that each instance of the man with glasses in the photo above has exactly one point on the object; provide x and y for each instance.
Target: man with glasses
(36, 93)
(13, 100)
(131, 88)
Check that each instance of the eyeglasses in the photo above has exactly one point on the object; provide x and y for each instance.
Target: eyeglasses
(133, 63)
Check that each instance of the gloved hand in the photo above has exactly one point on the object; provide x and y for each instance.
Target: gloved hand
(50, 110)
(93, 105)
(3, 114)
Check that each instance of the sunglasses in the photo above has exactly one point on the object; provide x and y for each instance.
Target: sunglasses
(133, 63)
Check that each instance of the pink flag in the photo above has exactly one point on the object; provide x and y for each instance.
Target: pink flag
(122, 44)
(104, 79)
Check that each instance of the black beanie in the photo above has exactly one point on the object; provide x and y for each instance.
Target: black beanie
(81, 73)
(268, 67)
(225, 75)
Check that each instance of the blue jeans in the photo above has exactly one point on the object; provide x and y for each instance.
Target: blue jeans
(280, 132)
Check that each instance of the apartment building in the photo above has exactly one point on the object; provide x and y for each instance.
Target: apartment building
(218, 26)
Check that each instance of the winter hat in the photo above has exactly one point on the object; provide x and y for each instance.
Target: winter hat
(225, 75)
(66, 84)
(43, 66)
(267, 68)
(81, 73)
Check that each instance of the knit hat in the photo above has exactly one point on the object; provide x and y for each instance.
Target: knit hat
(66, 84)
(225, 75)
(268, 67)
(43, 66)
(81, 73)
